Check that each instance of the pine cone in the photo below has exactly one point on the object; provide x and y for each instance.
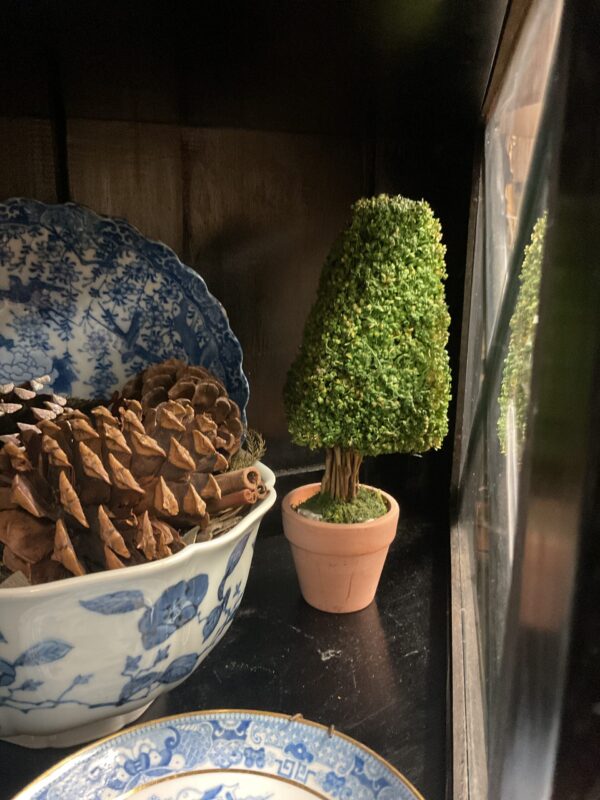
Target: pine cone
(175, 380)
(79, 494)
(27, 404)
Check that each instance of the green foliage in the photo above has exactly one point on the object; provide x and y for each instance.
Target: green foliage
(373, 373)
(368, 504)
(516, 376)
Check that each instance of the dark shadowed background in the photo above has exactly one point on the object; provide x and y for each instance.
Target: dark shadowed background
(240, 132)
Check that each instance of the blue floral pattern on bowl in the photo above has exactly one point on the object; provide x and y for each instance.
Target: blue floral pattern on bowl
(178, 605)
(91, 301)
(295, 753)
(89, 650)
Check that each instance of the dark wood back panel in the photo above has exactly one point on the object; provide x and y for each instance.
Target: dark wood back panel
(253, 211)
(239, 133)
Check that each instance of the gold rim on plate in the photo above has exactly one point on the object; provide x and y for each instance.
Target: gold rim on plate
(232, 772)
(213, 712)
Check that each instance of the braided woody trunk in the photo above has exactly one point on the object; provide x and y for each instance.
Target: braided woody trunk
(341, 473)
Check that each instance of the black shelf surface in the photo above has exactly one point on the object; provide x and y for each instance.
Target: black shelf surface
(378, 675)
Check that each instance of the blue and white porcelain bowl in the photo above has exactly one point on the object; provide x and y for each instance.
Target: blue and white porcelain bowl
(81, 657)
(90, 301)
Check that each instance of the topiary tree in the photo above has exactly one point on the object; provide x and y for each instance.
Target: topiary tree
(372, 375)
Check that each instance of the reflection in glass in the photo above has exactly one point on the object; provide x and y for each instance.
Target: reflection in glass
(503, 305)
(516, 376)
(514, 391)
(490, 480)
(476, 350)
(510, 137)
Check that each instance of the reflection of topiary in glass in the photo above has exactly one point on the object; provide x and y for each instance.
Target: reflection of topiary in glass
(372, 375)
(516, 377)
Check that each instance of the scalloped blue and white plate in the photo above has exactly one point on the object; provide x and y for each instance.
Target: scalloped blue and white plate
(224, 755)
(90, 301)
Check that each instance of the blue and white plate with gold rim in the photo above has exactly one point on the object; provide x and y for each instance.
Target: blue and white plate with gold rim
(224, 755)
(91, 301)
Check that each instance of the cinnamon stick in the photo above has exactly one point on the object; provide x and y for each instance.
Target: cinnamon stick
(238, 479)
(243, 497)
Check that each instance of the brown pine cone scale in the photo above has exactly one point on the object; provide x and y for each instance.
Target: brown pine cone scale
(105, 491)
(82, 492)
(173, 380)
(27, 404)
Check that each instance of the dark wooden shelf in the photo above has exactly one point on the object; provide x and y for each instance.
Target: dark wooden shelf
(378, 675)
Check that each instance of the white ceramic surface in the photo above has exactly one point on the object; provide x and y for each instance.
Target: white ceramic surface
(83, 650)
(224, 755)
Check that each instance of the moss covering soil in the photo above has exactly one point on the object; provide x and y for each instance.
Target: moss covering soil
(368, 504)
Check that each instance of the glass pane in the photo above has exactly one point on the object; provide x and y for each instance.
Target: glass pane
(476, 341)
(509, 143)
(509, 404)
(508, 253)
(474, 564)
(490, 480)
(473, 516)
(505, 431)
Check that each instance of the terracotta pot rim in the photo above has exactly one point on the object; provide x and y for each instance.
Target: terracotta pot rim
(286, 507)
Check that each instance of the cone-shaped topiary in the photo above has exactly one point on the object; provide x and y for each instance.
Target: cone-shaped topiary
(372, 375)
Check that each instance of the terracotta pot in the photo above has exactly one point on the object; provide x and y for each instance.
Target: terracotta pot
(338, 564)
